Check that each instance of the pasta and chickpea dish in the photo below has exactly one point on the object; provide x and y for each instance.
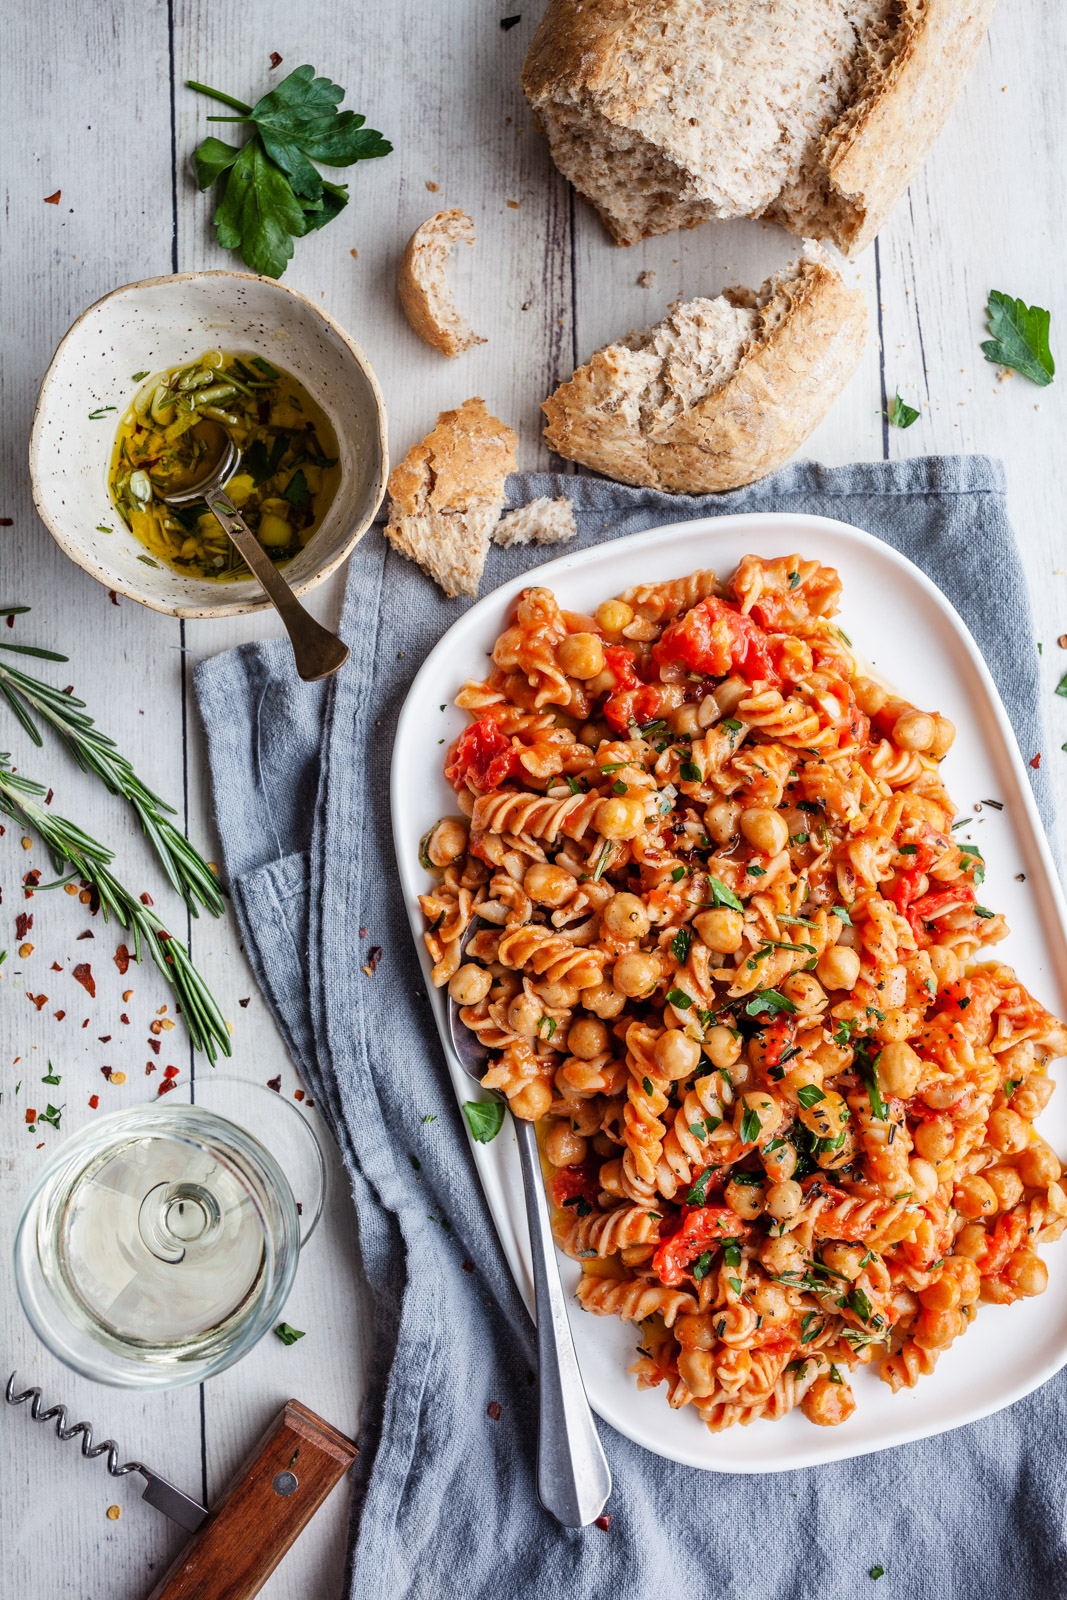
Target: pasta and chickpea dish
(725, 947)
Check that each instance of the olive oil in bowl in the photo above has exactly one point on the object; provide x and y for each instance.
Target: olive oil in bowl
(287, 478)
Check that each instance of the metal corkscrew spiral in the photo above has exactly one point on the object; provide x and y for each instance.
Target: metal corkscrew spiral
(159, 1491)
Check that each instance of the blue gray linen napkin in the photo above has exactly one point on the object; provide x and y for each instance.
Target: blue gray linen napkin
(445, 1502)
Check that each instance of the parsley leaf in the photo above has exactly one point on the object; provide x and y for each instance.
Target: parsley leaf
(697, 1195)
(701, 1266)
(809, 1094)
(679, 999)
(769, 1001)
(287, 1334)
(485, 1118)
(900, 414)
(751, 1126)
(722, 896)
(680, 944)
(1020, 338)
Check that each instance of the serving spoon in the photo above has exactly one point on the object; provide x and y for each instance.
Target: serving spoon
(573, 1476)
(316, 651)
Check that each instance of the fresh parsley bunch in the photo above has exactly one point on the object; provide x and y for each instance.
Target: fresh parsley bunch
(270, 190)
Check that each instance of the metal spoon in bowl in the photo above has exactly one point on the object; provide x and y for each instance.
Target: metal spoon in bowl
(316, 650)
(573, 1476)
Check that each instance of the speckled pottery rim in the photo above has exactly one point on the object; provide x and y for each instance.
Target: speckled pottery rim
(158, 323)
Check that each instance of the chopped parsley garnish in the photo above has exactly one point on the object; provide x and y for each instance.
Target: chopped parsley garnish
(876, 1572)
(618, 787)
(680, 944)
(769, 1001)
(809, 1330)
(983, 911)
(722, 896)
(858, 1303)
(679, 999)
(648, 1086)
(287, 1334)
(689, 772)
(677, 874)
(697, 1195)
(731, 723)
(751, 1126)
(485, 1118)
(701, 1266)
(794, 579)
(755, 872)
(731, 1253)
(580, 1204)
(899, 414)
(809, 1094)
(807, 805)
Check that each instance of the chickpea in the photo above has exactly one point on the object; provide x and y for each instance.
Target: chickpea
(828, 1404)
(780, 1162)
(924, 1179)
(559, 995)
(677, 1056)
(1006, 1183)
(729, 694)
(934, 1140)
(587, 1038)
(784, 1199)
(695, 1330)
(532, 1100)
(972, 1241)
(771, 1303)
(974, 1198)
(744, 1199)
(871, 696)
(899, 1069)
(805, 990)
(635, 974)
(1008, 1132)
(827, 1118)
(838, 968)
(936, 1329)
(524, 1015)
(944, 737)
(614, 615)
(564, 1147)
(941, 1295)
(914, 730)
(766, 1108)
(604, 1001)
(722, 930)
(722, 818)
(964, 1273)
(469, 984)
(844, 1258)
(547, 884)
(722, 1047)
(696, 1368)
(1027, 1273)
(764, 829)
(625, 916)
(1038, 1166)
(1031, 1097)
(685, 720)
(782, 1255)
(945, 964)
(1019, 1060)
(581, 655)
(594, 733)
(621, 817)
(447, 841)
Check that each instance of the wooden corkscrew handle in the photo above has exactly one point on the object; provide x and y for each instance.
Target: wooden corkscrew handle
(263, 1509)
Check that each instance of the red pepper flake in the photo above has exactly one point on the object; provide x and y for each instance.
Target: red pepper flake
(171, 1072)
(39, 1000)
(107, 1071)
(1036, 761)
(105, 1038)
(88, 934)
(11, 620)
(113, 597)
(31, 1115)
(603, 1522)
(48, 798)
(149, 1068)
(275, 59)
(124, 1018)
(53, 199)
(30, 882)
(94, 1101)
(40, 1146)
(122, 959)
(363, 933)
(275, 1084)
(23, 924)
(83, 973)
(146, 899)
(298, 1094)
(493, 1410)
(59, 1015)
(245, 1001)
(468, 1266)
(155, 1046)
(56, 967)
(85, 1024)
(374, 955)
(69, 689)
(165, 1086)
(7, 522)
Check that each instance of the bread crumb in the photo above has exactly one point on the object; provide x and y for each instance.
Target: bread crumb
(647, 279)
(433, 187)
(543, 521)
(513, 205)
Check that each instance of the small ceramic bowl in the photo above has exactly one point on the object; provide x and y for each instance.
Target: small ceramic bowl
(160, 323)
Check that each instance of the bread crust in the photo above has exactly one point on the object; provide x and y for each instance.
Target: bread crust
(809, 344)
(423, 288)
(582, 56)
(447, 494)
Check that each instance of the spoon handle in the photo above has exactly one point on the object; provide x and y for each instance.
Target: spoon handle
(573, 1477)
(316, 650)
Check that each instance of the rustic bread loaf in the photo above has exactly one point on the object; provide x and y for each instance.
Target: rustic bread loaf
(721, 391)
(447, 495)
(814, 113)
(424, 290)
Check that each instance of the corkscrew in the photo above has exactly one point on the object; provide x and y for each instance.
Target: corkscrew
(270, 1499)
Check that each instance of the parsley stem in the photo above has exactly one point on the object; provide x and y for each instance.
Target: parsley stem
(217, 94)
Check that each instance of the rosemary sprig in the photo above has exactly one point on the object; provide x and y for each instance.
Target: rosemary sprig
(91, 860)
(189, 874)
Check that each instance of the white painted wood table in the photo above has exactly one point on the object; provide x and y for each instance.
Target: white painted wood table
(95, 107)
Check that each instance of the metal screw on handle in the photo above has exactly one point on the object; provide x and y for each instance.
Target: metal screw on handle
(573, 1477)
(316, 650)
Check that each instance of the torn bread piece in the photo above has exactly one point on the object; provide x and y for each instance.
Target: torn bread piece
(543, 521)
(721, 391)
(424, 290)
(447, 494)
